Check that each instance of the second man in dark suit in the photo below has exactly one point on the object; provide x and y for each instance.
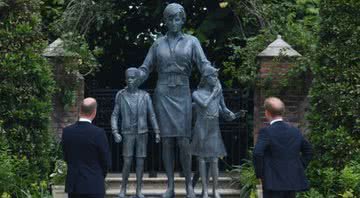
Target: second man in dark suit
(281, 154)
(87, 155)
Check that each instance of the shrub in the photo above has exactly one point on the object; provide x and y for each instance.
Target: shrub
(15, 175)
(243, 176)
(334, 97)
(312, 193)
(59, 174)
(25, 90)
(349, 178)
(6, 173)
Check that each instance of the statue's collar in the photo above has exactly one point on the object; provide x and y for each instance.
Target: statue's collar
(180, 35)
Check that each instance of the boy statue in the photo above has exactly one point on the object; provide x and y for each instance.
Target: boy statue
(132, 109)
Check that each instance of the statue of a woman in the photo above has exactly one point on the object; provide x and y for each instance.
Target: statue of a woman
(173, 57)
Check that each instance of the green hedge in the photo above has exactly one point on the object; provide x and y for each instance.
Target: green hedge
(26, 86)
(334, 95)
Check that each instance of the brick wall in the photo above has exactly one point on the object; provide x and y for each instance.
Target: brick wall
(64, 115)
(294, 96)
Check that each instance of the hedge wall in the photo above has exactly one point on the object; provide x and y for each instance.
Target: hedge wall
(26, 85)
(335, 101)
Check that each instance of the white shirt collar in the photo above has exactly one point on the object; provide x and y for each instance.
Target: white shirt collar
(84, 120)
(276, 120)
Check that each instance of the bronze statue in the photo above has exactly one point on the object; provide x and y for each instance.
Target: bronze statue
(173, 57)
(207, 142)
(132, 109)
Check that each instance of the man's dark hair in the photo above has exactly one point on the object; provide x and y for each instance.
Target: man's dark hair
(275, 106)
(87, 108)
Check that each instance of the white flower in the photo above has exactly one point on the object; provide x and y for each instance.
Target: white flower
(223, 4)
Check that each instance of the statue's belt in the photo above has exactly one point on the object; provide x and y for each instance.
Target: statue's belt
(208, 116)
(173, 79)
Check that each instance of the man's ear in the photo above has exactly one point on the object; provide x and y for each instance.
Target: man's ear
(93, 115)
(267, 113)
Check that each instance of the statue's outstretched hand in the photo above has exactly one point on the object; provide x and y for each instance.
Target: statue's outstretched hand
(232, 116)
(229, 115)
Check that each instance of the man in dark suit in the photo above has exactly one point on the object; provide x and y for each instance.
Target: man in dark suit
(281, 154)
(87, 155)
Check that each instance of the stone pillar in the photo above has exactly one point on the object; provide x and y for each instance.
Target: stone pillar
(65, 111)
(275, 62)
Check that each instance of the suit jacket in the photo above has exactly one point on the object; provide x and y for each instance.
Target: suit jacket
(280, 157)
(122, 113)
(87, 155)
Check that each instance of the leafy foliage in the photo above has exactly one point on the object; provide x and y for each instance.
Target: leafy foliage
(81, 58)
(16, 178)
(350, 177)
(312, 193)
(296, 21)
(335, 93)
(51, 11)
(80, 15)
(59, 174)
(25, 90)
(244, 177)
(6, 175)
(70, 20)
(241, 66)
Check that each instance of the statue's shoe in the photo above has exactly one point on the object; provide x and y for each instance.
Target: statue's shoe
(204, 195)
(190, 192)
(217, 195)
(122, 195)
(170, 193)
(139, 195)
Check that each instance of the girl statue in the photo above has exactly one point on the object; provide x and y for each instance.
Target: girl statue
(207, 143)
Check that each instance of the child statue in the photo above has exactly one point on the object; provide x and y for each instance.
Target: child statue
(133, 107)
(207, 143)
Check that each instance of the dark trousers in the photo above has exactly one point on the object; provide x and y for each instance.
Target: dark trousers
(279, 194)
(75, 195)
